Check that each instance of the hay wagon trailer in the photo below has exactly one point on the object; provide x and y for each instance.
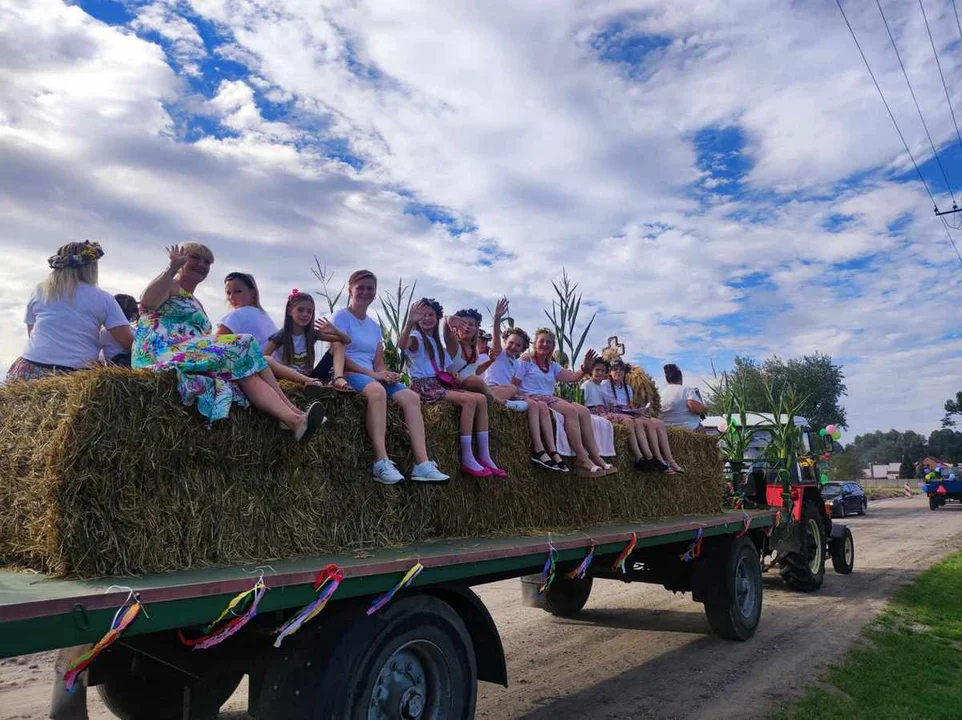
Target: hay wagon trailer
(419, 656)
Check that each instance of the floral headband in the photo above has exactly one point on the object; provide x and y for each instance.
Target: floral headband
(90, 252)
(297, 294)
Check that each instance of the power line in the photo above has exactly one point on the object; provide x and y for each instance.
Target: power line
(915, 100)
(897, 129)
(939, 65)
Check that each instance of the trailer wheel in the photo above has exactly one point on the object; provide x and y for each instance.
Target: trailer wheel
(805, 570)
(843, 553)
(143, 689)
(732, 592)
(414, 659)
(566, 596)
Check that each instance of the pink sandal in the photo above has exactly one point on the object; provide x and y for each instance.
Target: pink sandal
(495, 470)
(482, 473)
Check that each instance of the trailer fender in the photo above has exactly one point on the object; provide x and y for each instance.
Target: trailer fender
(838, 530)
(488, 649)
(69, 704)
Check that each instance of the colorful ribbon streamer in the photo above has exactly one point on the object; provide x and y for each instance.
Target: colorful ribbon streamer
(746, 523)
(326, 585)
(579, 572)
(619, 563)
(124, 616)
(547, 572)
(694, 550)
(211, 637)
(386, 597)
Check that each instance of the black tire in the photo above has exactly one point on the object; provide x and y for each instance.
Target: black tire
(933, 503)
(843, 553)
(143, 689)
(841, 510)
(417, 646)
(863, 508)
(566, 597)
(733, 592)
(805, 570)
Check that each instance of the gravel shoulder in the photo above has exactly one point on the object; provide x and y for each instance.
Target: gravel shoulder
(638, 651)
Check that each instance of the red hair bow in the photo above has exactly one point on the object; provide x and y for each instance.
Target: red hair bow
(294, 293)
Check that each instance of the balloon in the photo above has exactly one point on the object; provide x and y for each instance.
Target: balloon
(735, 421)
(830, 429)
(722, 426)
(823, 432)
(826, 456)
(837, 435)
(824, 478)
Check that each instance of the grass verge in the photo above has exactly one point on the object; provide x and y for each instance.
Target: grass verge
(910, 663)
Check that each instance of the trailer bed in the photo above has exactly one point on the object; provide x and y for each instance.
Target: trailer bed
(38, 612)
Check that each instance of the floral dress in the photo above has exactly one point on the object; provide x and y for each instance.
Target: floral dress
(177, 336)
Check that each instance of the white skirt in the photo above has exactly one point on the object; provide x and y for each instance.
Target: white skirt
(604, 435)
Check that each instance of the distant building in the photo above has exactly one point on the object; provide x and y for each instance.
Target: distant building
(888, 471)
(930, 463)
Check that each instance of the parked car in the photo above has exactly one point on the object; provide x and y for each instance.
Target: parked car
(846, 498)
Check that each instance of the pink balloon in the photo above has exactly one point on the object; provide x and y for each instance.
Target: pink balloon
(722, 426)
(830, 429)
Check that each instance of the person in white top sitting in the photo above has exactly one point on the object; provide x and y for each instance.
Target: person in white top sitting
(421, 343)
(65, 314)
(367, 374)
(111, 351)
(650, 433)
(247, 317)
(538, 376)
(461, 333)
(681, 406)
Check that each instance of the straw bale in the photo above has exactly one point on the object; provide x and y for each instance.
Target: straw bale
(106, 473)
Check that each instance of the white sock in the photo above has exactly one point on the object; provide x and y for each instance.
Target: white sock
(484, 449)
(467, 454)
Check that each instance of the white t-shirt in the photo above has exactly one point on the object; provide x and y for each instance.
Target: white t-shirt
(67, 332)
(250, 320)
(618, 397)
(592, 394)
(109, 347)
(536, 382)
(461, 368)
(365, 337)
(674, 406)
(502, 370)
(299, 356)
(419, 364)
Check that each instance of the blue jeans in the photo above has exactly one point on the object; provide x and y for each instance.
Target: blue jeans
(359, 382)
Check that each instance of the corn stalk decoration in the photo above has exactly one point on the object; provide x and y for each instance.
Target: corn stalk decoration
(396, 308)
(564, 321)
(785, 443)
(326, 277)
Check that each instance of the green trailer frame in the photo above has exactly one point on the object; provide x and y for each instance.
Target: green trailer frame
(40, 613)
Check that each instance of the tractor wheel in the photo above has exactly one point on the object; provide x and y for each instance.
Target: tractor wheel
(566, 596)
(805, 570)
(843, 553)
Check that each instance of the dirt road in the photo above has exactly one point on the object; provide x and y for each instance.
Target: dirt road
(640, 652)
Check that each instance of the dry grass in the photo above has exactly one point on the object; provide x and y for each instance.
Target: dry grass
(106, 473)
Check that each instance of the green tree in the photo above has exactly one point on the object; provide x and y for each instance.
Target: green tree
(879, 448)
(906, 469)
(953, 406)
(819, 382)
(946, 444)
(844, 466)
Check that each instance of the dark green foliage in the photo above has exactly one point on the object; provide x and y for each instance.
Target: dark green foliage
(953, 406)
(906, 469)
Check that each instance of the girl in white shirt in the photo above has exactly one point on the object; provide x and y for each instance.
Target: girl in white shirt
(65, 315)
(650, 445)
(248, 318)
(421, 343)
(538, 378)
(461, 333)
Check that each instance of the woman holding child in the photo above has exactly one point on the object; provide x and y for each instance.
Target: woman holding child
(213, 371)
(65, 315)
(368, 375)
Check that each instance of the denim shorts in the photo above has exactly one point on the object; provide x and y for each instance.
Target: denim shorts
(359, 382)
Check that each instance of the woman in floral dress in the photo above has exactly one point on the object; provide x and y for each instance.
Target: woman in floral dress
(213, 371)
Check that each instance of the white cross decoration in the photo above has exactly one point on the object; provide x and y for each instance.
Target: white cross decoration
(618, 347)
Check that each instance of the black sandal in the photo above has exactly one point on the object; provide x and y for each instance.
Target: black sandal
(543, 460)
(559, 462)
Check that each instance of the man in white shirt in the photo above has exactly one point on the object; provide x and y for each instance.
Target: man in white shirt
(681, 406)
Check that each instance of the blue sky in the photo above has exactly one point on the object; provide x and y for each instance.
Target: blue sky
(720, 179)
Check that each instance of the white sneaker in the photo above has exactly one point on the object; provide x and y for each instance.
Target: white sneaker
(428, 472)
(386, 472)
(516, 405)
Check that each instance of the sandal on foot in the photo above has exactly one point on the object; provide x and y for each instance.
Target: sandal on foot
(313, 419)
(341, 384)
(314, 391)
(559, 463)
(590, 472)
(494, 470)
(543, 460)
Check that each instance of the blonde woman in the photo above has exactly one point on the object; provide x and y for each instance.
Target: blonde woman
(213, 371)
(65, 315)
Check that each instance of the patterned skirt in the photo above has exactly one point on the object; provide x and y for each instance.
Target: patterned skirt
(612, 416)
(548, 400)
(429, 389)
(23, 369)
